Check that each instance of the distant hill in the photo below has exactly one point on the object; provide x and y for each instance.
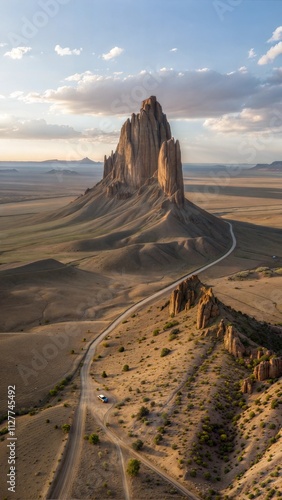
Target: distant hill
(84, 161)
(9, 171)
(275, 166)
(63, 172)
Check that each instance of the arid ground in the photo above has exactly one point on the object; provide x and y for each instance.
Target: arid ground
(55, 302)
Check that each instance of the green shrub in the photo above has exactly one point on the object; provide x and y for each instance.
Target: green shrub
(142, 412)
(66, 428)
(164, 352)
(94, 438)
(158, 438)
(104, 375)
(121, 349)
(137, 445)
(171, 324)
(125, 368)
(133, 467)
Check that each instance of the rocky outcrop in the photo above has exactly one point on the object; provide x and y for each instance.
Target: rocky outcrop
(247, 386)
(220, 329)
(232, 342)
(184, 295)
(170, 176)
(268, 369)
(146, 149)
(207, 309)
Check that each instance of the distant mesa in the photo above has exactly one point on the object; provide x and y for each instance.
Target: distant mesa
(62, 172)
(275, 166)
(146, 150)
(84, 161)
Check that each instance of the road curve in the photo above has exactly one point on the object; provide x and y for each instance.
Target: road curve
(61, 486)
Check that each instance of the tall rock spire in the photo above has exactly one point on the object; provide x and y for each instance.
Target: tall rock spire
(170, 176)
(137, 157)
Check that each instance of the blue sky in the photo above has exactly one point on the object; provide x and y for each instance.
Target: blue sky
(72, 71)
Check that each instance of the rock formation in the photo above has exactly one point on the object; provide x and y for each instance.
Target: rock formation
(232, 342)
(268, 369)
(184, 295)
(247, 386)
(207, 309)
(146, 149)
(170, 176)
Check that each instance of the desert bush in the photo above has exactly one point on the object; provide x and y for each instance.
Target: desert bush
(142, 412)
(66, 428)
(94, 438)
(133, 467)
(171, 324)
(121, 349)
(158, 438)
(164, 352)
(137, 445)
(104, 375)
(125, 368)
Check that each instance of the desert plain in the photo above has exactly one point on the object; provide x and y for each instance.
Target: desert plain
(57, 297)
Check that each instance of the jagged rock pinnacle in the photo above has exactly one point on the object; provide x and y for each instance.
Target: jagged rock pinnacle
(146, 149)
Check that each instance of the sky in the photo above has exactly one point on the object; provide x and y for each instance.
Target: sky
(72, 71)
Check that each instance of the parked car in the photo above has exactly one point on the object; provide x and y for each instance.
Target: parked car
(103, 398)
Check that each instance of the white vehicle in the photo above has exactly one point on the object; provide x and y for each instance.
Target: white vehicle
(103, 398)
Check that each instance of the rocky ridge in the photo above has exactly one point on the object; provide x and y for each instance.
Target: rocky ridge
(264, 362)
(146, 150)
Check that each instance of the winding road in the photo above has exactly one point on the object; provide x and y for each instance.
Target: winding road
(62, 484)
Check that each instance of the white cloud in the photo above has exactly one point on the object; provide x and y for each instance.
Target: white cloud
(17, 52)
(13, 128)
(2, 96)
(276, 35)
(66, 51)
(251, 54)
(243, 69)
(77, 77)
(189, 94)
(115, 52)
(17, 94)
(3, 44)
(264, 120)
(174, 49)
(271, 54)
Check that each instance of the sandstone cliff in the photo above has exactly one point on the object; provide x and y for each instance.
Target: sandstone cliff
(232, 342)
(146, 149)
(207, 309)
(268, 369)
(191, 292)
(170, 176)
(183, 297)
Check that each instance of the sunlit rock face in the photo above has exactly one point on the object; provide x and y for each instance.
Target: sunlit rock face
(145, 150)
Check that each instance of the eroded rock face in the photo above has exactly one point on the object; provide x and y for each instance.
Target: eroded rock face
(170, 176)
(232, 342)
(146, 149)
(207, 309)
(247, 386)
(184, 296)
(268, 369)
